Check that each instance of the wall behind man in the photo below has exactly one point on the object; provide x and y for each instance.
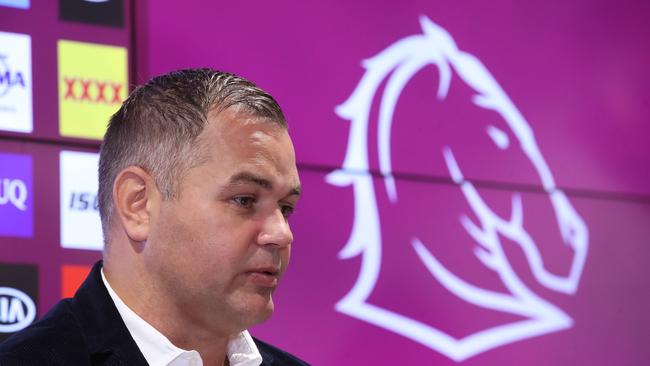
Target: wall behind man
(575, 71)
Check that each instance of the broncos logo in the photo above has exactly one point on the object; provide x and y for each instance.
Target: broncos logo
(393, 69)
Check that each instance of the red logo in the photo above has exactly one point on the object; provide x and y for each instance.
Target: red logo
(94, 91)
(72, 276)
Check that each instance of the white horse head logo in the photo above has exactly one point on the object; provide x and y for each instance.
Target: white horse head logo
(395, 66)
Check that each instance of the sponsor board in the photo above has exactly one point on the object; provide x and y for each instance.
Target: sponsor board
(92, 85)
(18, 297)
(16, 202)
(15, 82)
(20, 4)
(100, 12)
(72, 276)
(80, 222)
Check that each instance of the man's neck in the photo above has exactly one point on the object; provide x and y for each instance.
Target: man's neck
(185, 333)
(213, 350)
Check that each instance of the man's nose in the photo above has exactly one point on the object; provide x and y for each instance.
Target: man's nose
(275, 230)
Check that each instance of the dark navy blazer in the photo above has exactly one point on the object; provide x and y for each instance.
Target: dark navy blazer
(88, 330)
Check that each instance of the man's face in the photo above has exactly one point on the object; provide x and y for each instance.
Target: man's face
(217, 251)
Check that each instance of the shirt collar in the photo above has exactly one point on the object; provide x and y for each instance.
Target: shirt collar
(158, 350)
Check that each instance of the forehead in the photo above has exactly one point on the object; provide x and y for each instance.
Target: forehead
(234, 139)
(235, 124)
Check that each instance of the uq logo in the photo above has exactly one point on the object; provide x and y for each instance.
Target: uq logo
(17, 310)
(16, 208)
(483, 225)
(13, 191)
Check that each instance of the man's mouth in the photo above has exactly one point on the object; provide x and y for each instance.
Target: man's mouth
(271, 271)
(264, 276)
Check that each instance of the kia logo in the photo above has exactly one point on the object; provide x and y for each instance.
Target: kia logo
(104, 92)
(17, 310)
(14, 191)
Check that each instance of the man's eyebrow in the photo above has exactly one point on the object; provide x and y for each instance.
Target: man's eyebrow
(248, 177)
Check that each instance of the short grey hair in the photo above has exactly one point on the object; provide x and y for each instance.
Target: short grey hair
(157, 127)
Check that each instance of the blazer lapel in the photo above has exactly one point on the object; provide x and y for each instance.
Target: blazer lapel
(108, 340)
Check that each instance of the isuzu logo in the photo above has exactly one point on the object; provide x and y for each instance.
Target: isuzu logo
(84, 201)
(17, 310)
(80, 222)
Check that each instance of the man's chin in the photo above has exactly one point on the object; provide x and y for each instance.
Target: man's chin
(256, 309)
(263, 311)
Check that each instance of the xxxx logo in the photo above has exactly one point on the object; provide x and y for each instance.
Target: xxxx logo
(93, 91)
(90, 92)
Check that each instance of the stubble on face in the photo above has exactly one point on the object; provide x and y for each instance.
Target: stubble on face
(206, 242)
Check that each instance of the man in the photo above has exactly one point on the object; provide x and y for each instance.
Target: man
(197, 179)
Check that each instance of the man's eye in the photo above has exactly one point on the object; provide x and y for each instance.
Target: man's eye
(287, 210)
(244, 201)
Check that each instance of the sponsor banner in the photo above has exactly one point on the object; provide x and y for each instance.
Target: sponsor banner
(15, 82)
(90, 91)
(20, 4)
(72, 276)
(80, 222)
(16, 202)
(101, 12)
(18, 297)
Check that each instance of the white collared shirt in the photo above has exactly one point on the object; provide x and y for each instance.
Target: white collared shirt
(160, 351)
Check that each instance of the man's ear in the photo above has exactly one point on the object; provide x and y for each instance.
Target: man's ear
(134, 196)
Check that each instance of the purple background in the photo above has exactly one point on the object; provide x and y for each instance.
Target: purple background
(577, 71)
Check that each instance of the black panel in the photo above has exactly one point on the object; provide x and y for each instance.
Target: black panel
(109, 13)
(21, 277)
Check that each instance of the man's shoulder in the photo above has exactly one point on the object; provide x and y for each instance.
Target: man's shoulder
(53, 340)
(277, 357)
